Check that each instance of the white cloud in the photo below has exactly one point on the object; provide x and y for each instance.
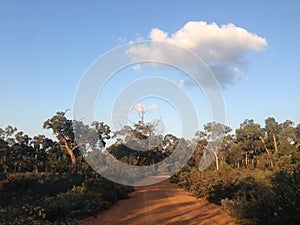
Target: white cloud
(186, 83)
(181, 83)
(243, 78)
(121, 40)
(223, 47)
(143, 108)
(136, 68)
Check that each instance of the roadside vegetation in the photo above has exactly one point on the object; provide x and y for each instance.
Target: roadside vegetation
(255, 175)
(45, 181)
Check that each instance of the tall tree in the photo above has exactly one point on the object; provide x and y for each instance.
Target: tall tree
(4, 152)
(297, 142)
(287, 136)
(23, 152)
(62, 128)
(249, 139)
(87, 137)
(143, 139)
(273, 129)
(215, 133)
(41, 145)
(7, 139)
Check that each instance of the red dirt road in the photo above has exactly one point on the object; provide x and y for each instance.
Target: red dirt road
(163, 203)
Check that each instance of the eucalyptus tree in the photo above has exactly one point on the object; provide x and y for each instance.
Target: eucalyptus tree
(199, 143)
(215, 133)
(7, 140)
(4, 152)
(297, 133)
(75, 135)
(249, 139)
(62, 128)
(42, 145)
(272, 133)
(24, 152)
(143, 141)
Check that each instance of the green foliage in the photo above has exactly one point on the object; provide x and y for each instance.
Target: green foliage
(111, 191)
(55, 199)
(257, 181)
(252, 196)
(73, 205)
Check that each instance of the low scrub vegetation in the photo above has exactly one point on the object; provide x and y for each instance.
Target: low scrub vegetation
(252, 196)
(55, 199)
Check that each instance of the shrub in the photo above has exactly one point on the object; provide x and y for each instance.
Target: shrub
(55, 199)
(73, 205)
(252, 196)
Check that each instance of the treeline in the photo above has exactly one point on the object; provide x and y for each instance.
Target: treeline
(45, 181)
(20, 153)
(251, 146)
(255, 174)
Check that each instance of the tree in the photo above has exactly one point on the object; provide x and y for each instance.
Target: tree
(215, 133)
(273, 129)
(62, 128)
(199, 144)
(235, 156)
(103, 130)
(249, 139)
(41, 145)
(23, 152)
(142, 140)
(4, 152)
(169, 144)
(87, 137)
(7, 140)
(297, 142)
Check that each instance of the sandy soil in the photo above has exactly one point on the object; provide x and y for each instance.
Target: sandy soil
(163, 203)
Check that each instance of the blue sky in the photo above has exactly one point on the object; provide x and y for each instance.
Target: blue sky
(46, 46)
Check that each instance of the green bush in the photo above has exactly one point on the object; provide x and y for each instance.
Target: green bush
(252, 196)
(55, 199)
(110, 191)
(73, 205)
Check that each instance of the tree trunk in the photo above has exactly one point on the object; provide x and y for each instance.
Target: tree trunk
(69, 151)
(268, 152)
(275, 143)
(73, 159)
(36, 170)
(5, 169)
(217, 160)
(44, 162)
(264, 143)
(36, 162)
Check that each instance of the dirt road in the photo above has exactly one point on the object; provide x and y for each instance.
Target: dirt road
(163, 203)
